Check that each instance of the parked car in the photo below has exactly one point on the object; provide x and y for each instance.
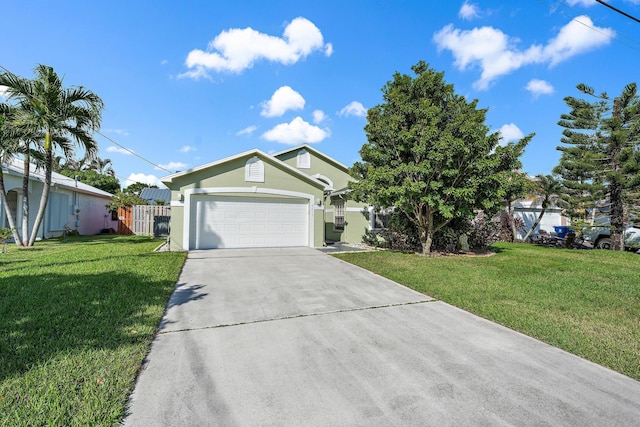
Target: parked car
(600, 235)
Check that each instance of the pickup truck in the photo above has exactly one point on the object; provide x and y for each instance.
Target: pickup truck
(600, 235)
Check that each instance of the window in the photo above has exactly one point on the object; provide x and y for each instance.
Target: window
(254, 170)
(338, 218)
(304, 159)
(59, 211)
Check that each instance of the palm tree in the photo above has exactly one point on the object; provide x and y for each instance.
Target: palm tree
(44, 105)
(17, 140)
(102, 166)
(9, 147)
(548, 189)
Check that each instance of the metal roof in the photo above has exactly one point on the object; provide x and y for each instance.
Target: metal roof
(16, 167)
(153, 194)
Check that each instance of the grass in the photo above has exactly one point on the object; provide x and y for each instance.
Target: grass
(585, 302)
(76, 321)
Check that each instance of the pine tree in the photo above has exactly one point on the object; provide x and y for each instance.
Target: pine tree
(601, 157)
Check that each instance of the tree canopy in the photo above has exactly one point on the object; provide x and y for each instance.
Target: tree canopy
(104, 182)
(57, 117)
(600, 161)
(430, 155)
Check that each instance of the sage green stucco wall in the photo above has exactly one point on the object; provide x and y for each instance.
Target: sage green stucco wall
(356, 222)
(175, 233)
(319, 165)
(231, 175)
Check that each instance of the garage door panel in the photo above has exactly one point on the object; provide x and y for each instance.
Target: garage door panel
(243, 222)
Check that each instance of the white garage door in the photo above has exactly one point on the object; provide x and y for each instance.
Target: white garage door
(246, 222)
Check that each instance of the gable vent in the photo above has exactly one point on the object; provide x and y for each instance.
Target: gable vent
(254, 170)
(304, 159)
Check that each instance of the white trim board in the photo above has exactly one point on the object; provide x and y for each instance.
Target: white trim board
(245, 190)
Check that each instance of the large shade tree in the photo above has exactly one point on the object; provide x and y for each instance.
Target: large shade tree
(601, 153)
(430, 155)
(66, 118)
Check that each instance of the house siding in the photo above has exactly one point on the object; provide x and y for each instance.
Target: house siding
(223, 178)
(91, 216)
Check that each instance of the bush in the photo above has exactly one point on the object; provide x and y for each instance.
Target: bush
(402, 235)
(484, 231)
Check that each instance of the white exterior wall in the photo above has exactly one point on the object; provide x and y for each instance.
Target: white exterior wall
(94, 215)
(552, 217)
(89, 220)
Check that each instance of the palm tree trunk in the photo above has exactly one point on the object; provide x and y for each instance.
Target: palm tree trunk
(25, 199)
(537, 223)
(7, 209)
(45, 191)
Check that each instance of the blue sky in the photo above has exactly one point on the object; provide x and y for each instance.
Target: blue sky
(187, 83)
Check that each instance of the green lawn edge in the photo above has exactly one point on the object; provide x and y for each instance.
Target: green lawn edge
(77, 318)
(584, 302)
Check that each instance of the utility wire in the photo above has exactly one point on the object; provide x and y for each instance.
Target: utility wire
(577, 14)
(118, 144)
(133, 152)
(618, 10)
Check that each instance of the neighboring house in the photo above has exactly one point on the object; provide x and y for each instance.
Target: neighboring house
(152, 195)
(71, 204)
(528, 211)
(297, 197)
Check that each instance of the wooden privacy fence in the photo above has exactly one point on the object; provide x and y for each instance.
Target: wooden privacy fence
(144, 219)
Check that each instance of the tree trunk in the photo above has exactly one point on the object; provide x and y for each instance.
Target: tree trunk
(25, 200)
(512, 221)
(617, 217)
(8, 213)
(45, 191)
(425, 228)
(537, 223)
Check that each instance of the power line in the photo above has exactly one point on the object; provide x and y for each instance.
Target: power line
(133, 152)
(576, 16)
(618, 10)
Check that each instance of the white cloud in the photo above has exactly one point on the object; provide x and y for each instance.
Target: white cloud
(496, 53)
(469, 11)
(187, 149)
(296, 132)
(247, 131)
(164, 62)
(114, 149)
(574, 38)
(539, 87)
(3, 91)
(172, 166)
(328, 49)
(354, 108)
(510, 132)
(319, 116)
(282, 100)
(145, 179)
(237, 49)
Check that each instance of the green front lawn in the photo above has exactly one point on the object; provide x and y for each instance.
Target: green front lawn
(585, 302)
(76, 321)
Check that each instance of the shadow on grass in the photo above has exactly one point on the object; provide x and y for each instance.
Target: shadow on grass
(44, 315)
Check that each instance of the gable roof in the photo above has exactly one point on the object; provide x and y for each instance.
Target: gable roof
(255, 152)
(316, 152)
(16, 167)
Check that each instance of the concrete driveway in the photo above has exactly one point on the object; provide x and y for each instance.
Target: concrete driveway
(293, 337)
